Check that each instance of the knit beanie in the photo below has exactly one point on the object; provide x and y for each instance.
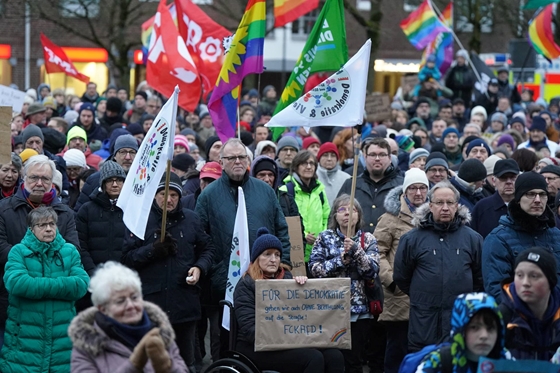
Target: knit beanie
(472, 170)
(181, 141)
(264, 241)
(143, 94)
(489, 163)
(417, 153)
(326, 148)
(541, 258)
(528, 181)
(506, 138)
(310, 140)
(125, 141)
(550, 161)
(183, 162)
(87, 106)
(449, 130)
(57, 180)
(114, 105)
(265, 164)
(174, 184)
(209, 142)
(516, 120)
(26, 154)
(134, 129)
(539, 124)
(110, 169)
(436, 159)
(415, 176)
(552, 169)
(405, 142)
(478, 142)
(286, 141)
(74, 132)
(499, 117)
(479, 110)
(74, 158)
(31, 131)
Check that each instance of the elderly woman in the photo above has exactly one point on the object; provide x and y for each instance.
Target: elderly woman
(122, 332)
(44, 277)
(266, 257)
(356, 256)
(10, 176)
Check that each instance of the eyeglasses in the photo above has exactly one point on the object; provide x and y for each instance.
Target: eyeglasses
(414, 189)
(35, 178)
(509, 178)
(44, 226)
(119, 302)
(533, 195)
(122, 152)
(345, 209)
(235, 158)
(551, 178)
(440, 204)
(437, 170)
(114, 180)
(378, 156)
(308, 164)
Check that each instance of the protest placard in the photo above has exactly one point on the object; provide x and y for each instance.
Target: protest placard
(5, 134)
(297, 256)
(510, 366)
(378, 107)
(316, 315)
(11, 97)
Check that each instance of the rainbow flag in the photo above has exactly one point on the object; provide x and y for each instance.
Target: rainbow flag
(423, 25)
(286, 11)
(541, 34)
(442, 46)
(244, 57)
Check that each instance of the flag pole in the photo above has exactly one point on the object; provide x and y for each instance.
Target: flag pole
(354, 177)
(165, 196)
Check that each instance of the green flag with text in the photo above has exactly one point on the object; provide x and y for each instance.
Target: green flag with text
(325, 50)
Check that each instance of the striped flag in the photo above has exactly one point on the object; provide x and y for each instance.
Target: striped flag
(286, 11)
(422, 26)
(541, 34)
(442, 46)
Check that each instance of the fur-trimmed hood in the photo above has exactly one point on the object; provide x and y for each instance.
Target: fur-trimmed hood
(88, 337)
(392, 201)
(423, 216)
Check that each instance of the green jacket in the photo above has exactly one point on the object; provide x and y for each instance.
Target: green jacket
(43, 282)
(313, 209)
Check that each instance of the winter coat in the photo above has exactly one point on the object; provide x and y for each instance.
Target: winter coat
(91, 184)
(13, 227)
(94, 351)
(464, 308)
(468, 198)
(487, 213)
(217, 208)
(488, 100)
(314, 211)
(517, 232)
(390, 227)
(43, 281)
(461, 81)
(433, 265)
(552, 146)
(326, 261)
(332, 181)
(164, 279)
(101, 228)
(371, 194)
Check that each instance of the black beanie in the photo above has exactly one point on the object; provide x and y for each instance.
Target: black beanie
(264, 242)
(183, 162)
(467, 140)
(543, 259)
(114, 105)
(472, 170)
(246, 138)
(174, 184)
(208, 145)
(265, 165)
(528, 181)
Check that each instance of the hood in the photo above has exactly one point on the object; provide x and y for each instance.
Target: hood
(35, 246)
(392, 201)
(264, 158)
(422, 217)
(261, 145)
(86, 336)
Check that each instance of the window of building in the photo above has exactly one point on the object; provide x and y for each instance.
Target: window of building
(462, 15)
(302, 26)
(411, 5)
(79, 8)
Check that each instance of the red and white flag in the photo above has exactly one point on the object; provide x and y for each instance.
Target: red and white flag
(56, 60)
(169, 62)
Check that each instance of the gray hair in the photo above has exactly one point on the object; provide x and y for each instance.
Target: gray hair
(39, 161)
(443, 185)
(15, 161)
(472, 125)
(234, 141)
(109, 277)
(344, 199)
(41, 213)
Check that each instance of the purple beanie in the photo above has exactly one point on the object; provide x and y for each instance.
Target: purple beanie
(506, 138)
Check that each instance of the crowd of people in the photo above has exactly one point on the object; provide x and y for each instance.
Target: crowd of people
(455, 221)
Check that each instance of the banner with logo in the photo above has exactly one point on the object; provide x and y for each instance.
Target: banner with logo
(56, 60)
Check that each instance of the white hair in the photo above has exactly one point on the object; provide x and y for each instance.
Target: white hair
(40, 161)
(110, 277)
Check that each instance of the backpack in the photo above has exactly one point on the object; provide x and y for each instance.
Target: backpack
(292, 191)
(373, 289)
(413, 360)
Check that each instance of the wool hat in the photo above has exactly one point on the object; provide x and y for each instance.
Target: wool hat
(326, 148)
(380, 130)
(174, 183)
(516, 120)
(506, 166)
(35, 108)
(528, 181)
(26, 154)
(74, 132)
(539, 124)
(141, 93)
(493, 81)
(31, 130)
(506, 138)
(203, 115)
(479, 110)
(436, 159)
(478, 142)
(209, 142)
(211, 170)
(253, 93)
(110, 169)
(396, 105)
(265, 164)
(551, 169)
(472, 170)
(188, 131)
(246, 138)
(499, 117)
(57, 180)
(449, 130)
(462, 53)
(114, 105)
(431, 58)
(541, 258)
(125, 141)
(286, 141)
(87, 106)
(415, 176)
(405, 142)
(417, 153)
(181, 141)
(49, 102)
(183, 162)
(416, 120)
(310, 140)
(75, 158)
(134, 129)
(70, 116)
(265, 241)
(489, 163)
(550, 161)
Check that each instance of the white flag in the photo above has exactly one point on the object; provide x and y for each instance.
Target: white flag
(240, 256)
(337, 101)
(148, 168)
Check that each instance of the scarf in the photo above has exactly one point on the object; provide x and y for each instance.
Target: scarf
(8, 193)
(409, 204)
(129, 335)
(47, 200)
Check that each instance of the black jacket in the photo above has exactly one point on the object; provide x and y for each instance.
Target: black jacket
(91, 184)
(164, 280)
(461, 80)
(486, 214)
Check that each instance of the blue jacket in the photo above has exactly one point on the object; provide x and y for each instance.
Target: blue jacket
(467, 197)
(517, 232)
(487, 213)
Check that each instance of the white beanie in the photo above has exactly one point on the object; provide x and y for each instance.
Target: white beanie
(479, 110)
(489, 163)
(414, 176)
(74, 158)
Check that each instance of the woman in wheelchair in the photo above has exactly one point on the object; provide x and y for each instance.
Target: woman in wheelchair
(266, 256)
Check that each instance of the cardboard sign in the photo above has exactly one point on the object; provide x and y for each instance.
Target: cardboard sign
(297, 256)
(11, 97)
(5, 134)
(509, 366)
(378, 107)
(314, 315)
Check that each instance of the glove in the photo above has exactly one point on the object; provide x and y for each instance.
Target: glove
(158, 355)
(171, 244)
(139, 357)
(161, 249)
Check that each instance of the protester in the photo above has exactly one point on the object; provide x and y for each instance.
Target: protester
(437, 168)
(210, 172)
(10, 174)
(329, 171)
(286, 150)
(469, 181)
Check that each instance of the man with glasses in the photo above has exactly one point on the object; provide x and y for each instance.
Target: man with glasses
(437, 168)
(217, 207)
(435, 262)
(528, 223)
(551, 174)
(488, 211)
(286, 150)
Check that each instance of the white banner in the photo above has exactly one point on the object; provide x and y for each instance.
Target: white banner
(11, 97)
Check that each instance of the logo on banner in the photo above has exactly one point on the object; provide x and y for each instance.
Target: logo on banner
(152, 151)
(326, 99)
(53, 58)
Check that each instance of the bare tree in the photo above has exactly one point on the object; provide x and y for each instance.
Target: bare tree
(511, 13)
(472, 16)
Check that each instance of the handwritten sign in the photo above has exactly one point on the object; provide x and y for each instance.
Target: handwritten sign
(297, 256)
(378, 107)
(510, 366)
(11, 97)
(5, 134)
(315, 315)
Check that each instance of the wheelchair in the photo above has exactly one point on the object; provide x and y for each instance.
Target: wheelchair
(233, 362)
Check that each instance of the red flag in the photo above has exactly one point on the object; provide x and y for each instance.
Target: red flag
(170, 63)
(204, 41)
(56, 60)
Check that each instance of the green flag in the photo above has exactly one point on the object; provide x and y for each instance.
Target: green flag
(325, 50)
(534, 4)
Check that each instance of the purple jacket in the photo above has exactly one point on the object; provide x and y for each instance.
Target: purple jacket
(94, 351)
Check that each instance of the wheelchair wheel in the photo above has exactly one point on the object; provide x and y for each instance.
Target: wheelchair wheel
(229, 365)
